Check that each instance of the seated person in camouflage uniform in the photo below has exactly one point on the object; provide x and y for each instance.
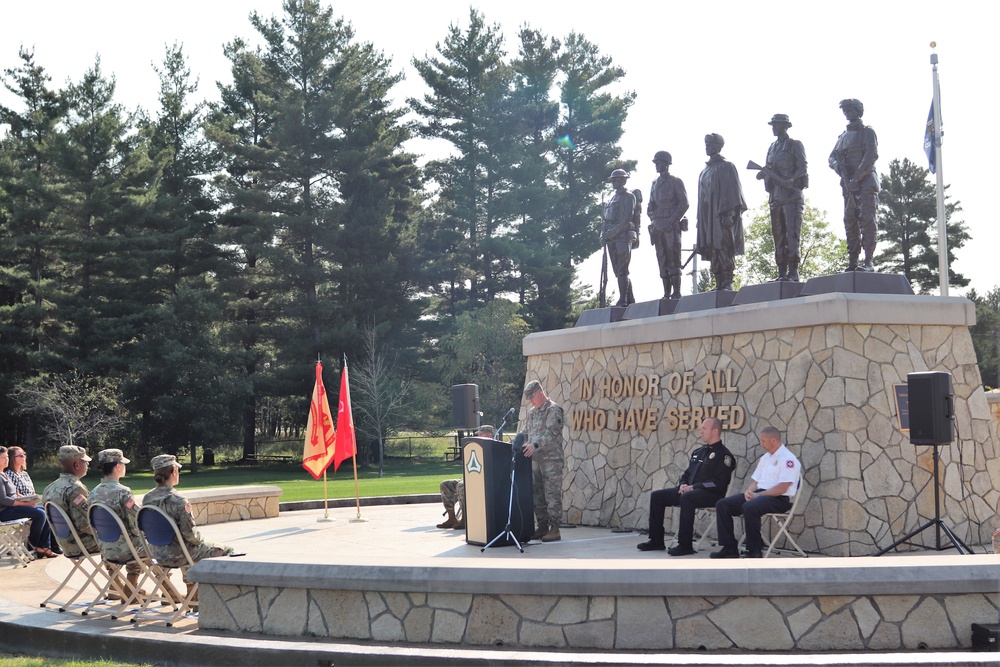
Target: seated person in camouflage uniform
(453, 491)
(69, 493)
(120, 500)
(166, 472)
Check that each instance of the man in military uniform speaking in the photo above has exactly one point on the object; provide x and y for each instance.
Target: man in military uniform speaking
(703, 484)
(668, 203)
(853, 158)
(544, 445)
(620, 233)
(784, 176)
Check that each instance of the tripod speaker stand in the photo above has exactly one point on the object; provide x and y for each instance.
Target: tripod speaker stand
(931, 413)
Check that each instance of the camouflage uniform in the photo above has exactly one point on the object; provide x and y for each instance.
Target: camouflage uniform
(544, 430)
(179, 509)
(120, 500)
(453, 491)
(70, 494)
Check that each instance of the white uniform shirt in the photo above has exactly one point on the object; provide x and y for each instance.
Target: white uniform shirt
(777, 468)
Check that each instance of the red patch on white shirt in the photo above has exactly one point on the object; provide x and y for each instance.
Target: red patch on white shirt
(789, 464)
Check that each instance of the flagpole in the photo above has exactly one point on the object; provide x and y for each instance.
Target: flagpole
(354, 461)
(326, 494)
(942, 221)
(326, 503)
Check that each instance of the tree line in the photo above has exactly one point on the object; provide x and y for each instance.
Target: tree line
(186, 266)
(168, 277)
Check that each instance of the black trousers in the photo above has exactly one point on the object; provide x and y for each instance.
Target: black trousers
(752, 511)
(659, 501)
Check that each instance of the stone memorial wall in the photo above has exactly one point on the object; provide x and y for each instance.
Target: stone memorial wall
(822, 369)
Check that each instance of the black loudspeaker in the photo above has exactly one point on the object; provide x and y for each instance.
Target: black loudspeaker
(930, 405)
(465, 406)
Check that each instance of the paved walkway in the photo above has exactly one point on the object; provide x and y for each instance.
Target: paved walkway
(391, 535)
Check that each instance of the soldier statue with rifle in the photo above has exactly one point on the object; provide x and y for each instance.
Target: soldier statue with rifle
(853, 158)
(784, 175)
(619, 235)
(668, 203)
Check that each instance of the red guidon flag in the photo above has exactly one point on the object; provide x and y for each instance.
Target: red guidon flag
(320, 433)
(346, 442)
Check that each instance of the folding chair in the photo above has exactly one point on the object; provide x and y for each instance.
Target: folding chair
(110, 529)
(704, 526)
(13, 540)
(86, 564)
(781, 520)
(161, 531)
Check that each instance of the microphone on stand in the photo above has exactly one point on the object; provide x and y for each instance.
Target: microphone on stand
(499, 433)
(518, 444)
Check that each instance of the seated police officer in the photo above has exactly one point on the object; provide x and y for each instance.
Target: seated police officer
(702, 485)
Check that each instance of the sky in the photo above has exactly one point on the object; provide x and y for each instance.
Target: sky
(695, 67)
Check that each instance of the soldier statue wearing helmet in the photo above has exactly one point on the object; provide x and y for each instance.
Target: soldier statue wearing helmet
(784, 175)
(853, 158)
(668, 203)
(620, 233)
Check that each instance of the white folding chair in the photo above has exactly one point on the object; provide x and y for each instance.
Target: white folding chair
(704, 526)
(14, 540)
(781, 520)
(161, 531)
(86, 564)
(109, 529)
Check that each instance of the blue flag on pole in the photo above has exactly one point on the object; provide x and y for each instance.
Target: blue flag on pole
(929, 140)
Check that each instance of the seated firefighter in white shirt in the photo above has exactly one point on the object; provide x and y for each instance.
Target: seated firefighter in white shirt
(775, 481)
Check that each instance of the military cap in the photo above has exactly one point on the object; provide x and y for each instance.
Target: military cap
(73, 453)
(112, 456)
(618, 173)
(663, 156)
(780, 118)
(486, 428)
(164, 461)
(532, 388)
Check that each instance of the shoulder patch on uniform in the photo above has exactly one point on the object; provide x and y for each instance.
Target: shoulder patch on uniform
(80, 499)
(187, 507)
(728, 461)
(130, 503)
(789, 463)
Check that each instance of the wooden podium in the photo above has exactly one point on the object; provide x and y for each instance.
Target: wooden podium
(486, 469)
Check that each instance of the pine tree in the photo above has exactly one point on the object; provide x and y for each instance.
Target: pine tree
(908, 227)
(469, 107)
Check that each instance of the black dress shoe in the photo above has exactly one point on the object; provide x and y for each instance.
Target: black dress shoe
(681, 550)
(651, 546)
(753, 554)
(726, 552)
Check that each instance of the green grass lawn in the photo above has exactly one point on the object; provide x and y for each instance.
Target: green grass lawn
(400, 477)
(23, 661)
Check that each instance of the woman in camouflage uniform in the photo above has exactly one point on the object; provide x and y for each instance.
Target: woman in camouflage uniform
(166, 472)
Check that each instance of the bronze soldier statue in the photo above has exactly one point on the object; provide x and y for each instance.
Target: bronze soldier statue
(784, 176)
(667, 205)
(720, 207)
(620, 233)
(853, 158)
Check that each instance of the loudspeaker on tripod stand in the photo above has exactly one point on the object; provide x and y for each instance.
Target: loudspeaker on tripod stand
(930, 401)
(465, 406)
